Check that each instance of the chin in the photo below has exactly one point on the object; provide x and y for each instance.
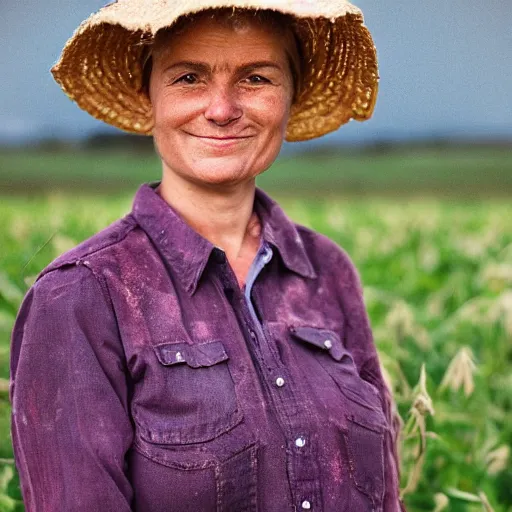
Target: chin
(222, 171)
(222, 176)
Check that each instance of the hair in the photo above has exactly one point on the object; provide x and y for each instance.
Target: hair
(236, 19)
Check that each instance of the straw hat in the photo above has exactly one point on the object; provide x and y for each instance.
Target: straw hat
(101, 65)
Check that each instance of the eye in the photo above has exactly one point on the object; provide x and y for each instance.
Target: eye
(189, 78)
(257, 79)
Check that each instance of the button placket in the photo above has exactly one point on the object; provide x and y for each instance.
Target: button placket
(301, 449)
(301, 443)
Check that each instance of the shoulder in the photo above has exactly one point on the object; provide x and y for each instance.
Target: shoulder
(105, 240)
(78, 275)
(328, 258)
(67, 286)
(58, 302)
(117, 250)
(71, 290)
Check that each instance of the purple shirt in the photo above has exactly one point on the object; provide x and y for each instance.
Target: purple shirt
(144, 379)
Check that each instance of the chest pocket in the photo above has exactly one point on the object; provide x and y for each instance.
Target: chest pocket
(362, 438)
(187, 395)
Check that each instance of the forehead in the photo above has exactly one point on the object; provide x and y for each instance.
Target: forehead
(210, 35)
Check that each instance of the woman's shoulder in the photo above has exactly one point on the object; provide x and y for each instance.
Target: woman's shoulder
(68, 273)
(102, 245)
(327, 257)
(83, 267)
(320, 247)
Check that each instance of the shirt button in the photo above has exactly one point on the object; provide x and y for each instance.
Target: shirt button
(306, 505)
(279, 382)
(300, 442)
(328, 344)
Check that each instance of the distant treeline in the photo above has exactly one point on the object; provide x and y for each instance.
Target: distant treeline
(102, 141)
(98, 141)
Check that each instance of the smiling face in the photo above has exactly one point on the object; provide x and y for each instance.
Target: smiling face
(221, 96)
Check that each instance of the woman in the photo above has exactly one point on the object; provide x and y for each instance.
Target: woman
(205, 353)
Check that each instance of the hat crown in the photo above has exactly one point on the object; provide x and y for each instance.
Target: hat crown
(153, 15)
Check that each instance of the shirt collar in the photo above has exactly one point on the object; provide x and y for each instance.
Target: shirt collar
(187, 252)
(281, 232)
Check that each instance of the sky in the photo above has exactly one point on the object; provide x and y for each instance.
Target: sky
(445, 68)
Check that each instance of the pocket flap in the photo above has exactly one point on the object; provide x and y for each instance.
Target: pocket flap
(321, 338)
(344, 372)
(195, 356)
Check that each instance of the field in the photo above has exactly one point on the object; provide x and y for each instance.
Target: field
(438, 287)
(469, 170)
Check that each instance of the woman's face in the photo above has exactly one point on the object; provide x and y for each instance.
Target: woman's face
(221, 99)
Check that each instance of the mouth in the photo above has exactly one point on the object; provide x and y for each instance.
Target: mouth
(221, 138)
(222, 142)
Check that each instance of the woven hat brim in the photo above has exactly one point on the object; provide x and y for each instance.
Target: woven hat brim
(101, 65)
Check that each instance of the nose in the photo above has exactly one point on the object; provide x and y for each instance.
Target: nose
(223, 107)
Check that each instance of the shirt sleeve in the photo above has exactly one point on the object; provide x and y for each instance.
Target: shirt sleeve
(359, 341)
(70, 420)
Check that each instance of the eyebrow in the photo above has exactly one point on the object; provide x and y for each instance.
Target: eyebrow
(201, 67)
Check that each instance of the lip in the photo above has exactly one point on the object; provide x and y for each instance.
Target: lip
(224, 142)
(223, 138)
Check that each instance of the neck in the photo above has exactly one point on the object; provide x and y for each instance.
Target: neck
(220, 214)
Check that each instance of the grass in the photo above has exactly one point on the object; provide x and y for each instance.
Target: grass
(450, 171)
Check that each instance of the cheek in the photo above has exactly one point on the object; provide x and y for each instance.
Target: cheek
(172, 111)
(272, 111)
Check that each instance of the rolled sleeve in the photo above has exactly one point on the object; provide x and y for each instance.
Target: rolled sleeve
(71, 427)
